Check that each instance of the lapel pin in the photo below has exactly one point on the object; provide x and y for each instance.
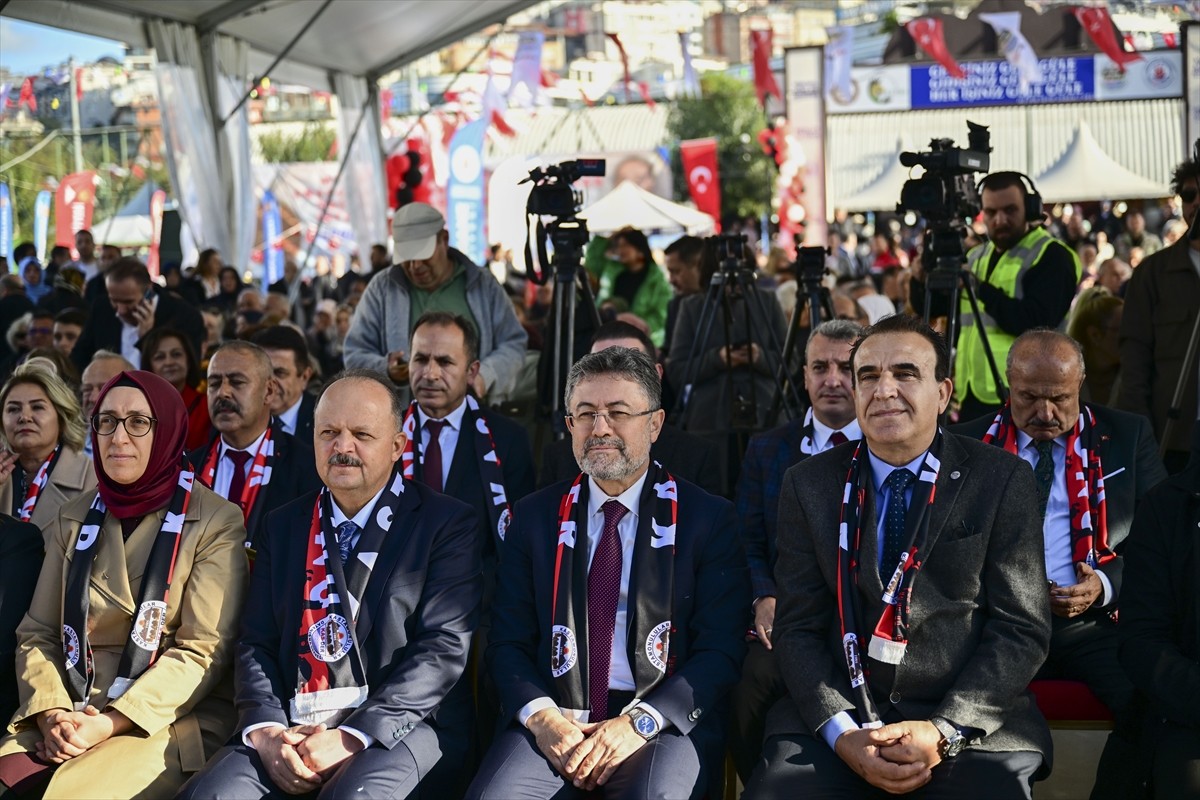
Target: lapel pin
(955, 475)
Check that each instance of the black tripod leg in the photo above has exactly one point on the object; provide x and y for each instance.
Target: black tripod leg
(698, 348)
(1001, 388)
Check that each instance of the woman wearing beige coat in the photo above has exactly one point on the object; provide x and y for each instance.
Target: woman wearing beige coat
(42, 427)
(155, 603)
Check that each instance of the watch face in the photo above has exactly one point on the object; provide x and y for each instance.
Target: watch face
(645, 725)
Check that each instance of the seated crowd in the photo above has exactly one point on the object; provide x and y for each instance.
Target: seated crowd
(298, 543)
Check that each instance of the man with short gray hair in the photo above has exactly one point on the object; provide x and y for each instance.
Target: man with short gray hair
(619, 616)
(1093, 465)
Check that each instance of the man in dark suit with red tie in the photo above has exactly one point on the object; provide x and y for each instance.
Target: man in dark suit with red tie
(619, 614)
(362, 604)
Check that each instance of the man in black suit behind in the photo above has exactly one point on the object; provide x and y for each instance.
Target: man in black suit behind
(275, 468)
(134, 306)
(620, 612)
(292, 404)
(387, 573)
(685, 455)
(912, 604)
(1046, 425)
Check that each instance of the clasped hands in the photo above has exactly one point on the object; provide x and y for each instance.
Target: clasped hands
(587, 753)
(67, 734)
(299, 758)
(897, 758)
(1071, 601)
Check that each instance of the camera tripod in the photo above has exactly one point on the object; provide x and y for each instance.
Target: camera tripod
(810, 269)
(734, 280)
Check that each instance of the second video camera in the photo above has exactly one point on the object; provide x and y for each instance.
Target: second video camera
(947, 189)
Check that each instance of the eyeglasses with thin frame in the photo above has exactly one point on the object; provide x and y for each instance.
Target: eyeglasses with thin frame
(135, 424)
(586, 420)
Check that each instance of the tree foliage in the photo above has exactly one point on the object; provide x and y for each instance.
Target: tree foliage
(314, 144)
(728, 110)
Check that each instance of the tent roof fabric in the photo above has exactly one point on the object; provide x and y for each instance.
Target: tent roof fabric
(357, 37)
(630, 204)
(860, 147)
(1085, 172)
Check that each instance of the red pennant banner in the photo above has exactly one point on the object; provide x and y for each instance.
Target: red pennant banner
(73, 206)
(158, 201)
(1099, 27)
(928, 34)
(764, 79)
(624, 60)
(699, 158)
(26, 97)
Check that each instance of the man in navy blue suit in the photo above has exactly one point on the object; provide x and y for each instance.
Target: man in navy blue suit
(357, 627)
(620, 610)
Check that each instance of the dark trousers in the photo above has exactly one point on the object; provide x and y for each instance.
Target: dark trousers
(760, 688)
(1085, 649)
(1175, 766)
(237, 773)
(666, 768)
(805, 767)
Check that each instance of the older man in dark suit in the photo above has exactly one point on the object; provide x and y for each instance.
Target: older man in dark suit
(912, 605)
(356, 630)
(1093, 465)
(829, 422)
(689, 457)
(253, 463)
(618, 623)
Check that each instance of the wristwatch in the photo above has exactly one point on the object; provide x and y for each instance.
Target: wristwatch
(953, 742)
(644, 723)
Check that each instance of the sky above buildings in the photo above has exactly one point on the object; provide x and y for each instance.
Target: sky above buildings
(26, 48)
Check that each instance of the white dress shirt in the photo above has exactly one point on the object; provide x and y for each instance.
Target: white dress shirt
(1056, 529)
(447, 438)
(620, 671)
(130, 337)
(822, 432)
(223, 476)
(289, 418)
(360, 519)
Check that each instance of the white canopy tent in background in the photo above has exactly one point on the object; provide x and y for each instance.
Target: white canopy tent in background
(630, 204)
(1086, 172)
(883, 191)
(210, 50)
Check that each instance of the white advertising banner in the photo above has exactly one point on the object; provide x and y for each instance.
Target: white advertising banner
(802, 174)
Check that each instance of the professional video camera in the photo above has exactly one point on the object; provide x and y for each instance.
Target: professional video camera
(553, 195)
(947, 189)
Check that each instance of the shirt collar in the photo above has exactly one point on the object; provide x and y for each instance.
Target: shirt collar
(454, 418)
(290, 417)
(822, 432)
(1024, 440)
(252, 448)
(630, 498)
(362, 517)
(880, 469)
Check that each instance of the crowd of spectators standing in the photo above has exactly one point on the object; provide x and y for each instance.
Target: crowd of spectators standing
(193, 462)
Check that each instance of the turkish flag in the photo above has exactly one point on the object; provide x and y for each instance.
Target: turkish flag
(928, 34)
(73, 206)
(26, 97)
(700, 166)
(764, 78)
(1099, 26)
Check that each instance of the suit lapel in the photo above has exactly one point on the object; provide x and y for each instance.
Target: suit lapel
(460, 463)
(111, 567)
(950, 480)
(404, 519)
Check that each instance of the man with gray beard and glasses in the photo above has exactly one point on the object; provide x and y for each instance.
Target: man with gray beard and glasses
(620, 612)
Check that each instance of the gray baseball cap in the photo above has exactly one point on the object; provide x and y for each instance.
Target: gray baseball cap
(414, 232)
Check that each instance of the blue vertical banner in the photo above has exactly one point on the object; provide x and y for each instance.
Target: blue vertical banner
(272, 224)
(41, 223)
(6, 224)
(465, 205)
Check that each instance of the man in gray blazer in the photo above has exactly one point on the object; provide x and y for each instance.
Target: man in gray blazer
(916, 540)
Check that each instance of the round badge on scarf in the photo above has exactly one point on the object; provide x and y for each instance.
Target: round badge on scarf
(70, 646)
(329, 638)
(658, 642)
(563, 653)
(502, 523)
(148, 625)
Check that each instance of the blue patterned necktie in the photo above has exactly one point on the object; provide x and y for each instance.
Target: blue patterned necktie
(895, 524)
(345, 539)
(1043, 471)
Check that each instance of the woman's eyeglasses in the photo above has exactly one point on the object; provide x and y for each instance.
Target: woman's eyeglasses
(135, 424)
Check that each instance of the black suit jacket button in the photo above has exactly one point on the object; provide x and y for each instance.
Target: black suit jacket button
(894, 698)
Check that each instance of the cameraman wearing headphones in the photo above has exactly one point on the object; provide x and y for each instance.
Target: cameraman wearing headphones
(1024, 278)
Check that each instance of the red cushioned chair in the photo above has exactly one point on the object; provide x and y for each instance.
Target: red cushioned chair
(1070, 705)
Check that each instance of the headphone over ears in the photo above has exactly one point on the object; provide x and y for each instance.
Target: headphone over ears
(1033, 200)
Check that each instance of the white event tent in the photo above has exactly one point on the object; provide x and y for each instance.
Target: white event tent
(630, 204)
(1086, 172)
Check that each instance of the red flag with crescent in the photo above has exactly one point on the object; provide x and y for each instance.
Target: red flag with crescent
(1099, 26)
(699, 158)
(927, 32)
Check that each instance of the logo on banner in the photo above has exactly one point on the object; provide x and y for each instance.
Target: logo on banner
(701, 178)
(465, 164)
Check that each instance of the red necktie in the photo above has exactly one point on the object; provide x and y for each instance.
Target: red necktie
(237, 484)
(836, 438)
(604, 589)
(431, 467)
